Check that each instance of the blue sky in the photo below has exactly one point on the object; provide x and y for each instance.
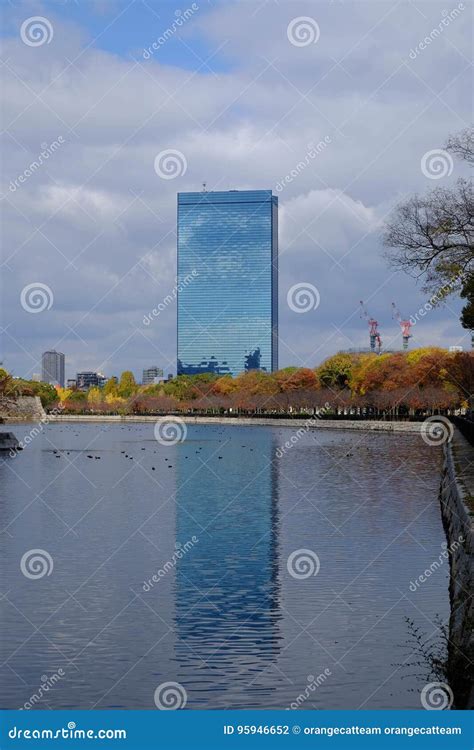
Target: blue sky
(123, 28)
(244, 103)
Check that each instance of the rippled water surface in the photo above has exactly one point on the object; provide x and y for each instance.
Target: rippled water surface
(226, 618)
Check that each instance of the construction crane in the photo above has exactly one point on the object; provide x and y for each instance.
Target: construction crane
(405, 325)
(374, 335)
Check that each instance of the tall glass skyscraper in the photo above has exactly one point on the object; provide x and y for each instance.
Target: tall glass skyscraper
(52, 368)
(227, 282)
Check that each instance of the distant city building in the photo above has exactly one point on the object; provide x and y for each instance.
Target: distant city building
(455, 349)
(86, 380)
(152, 375)
(36, 377)
(52, 368)
(227, 282)
(71, 383)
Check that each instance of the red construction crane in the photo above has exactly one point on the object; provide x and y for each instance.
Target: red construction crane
(374, 335)
(405, 325)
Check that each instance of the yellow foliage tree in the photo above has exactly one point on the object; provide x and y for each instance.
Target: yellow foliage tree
(63, 394)
(94, 395)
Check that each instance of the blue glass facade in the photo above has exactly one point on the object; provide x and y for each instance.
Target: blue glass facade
(227, 282)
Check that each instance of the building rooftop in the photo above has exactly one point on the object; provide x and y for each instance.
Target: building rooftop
(227, 196)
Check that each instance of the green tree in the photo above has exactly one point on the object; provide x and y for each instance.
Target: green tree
(178, 387)
(336, 371)
(78, 396)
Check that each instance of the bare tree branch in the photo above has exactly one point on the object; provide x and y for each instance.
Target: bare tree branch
(432, 236)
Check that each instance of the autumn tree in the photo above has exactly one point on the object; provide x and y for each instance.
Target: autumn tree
(127, 385)
(94, 395)
(111, 388)
(224, 385)
(460, 373)
(255, 382)
(63, 394)
(296, 379)
(385, 372)
(429, 366)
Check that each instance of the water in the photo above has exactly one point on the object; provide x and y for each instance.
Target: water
(226, 619)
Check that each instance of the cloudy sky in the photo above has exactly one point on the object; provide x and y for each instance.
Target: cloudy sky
(242, 90)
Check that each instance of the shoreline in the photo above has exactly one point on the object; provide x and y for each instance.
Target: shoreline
(456, 497)
(309, 423)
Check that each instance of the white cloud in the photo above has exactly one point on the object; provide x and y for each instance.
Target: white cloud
(98, 225)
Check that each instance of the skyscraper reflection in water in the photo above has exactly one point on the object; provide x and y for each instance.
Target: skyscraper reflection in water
(227, 624)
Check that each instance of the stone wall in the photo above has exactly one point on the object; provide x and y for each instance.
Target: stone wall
(24, 409)
(310, 422)
(457, 507)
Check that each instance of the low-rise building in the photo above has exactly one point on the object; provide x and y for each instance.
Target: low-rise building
(152, 375)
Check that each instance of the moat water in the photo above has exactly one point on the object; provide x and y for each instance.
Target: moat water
(183, 563)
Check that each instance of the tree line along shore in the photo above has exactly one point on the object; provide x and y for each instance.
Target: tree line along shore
(398, 385)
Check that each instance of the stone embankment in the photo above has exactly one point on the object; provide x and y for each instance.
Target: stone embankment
(457, 508)
(310, 423)
(24, 409)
